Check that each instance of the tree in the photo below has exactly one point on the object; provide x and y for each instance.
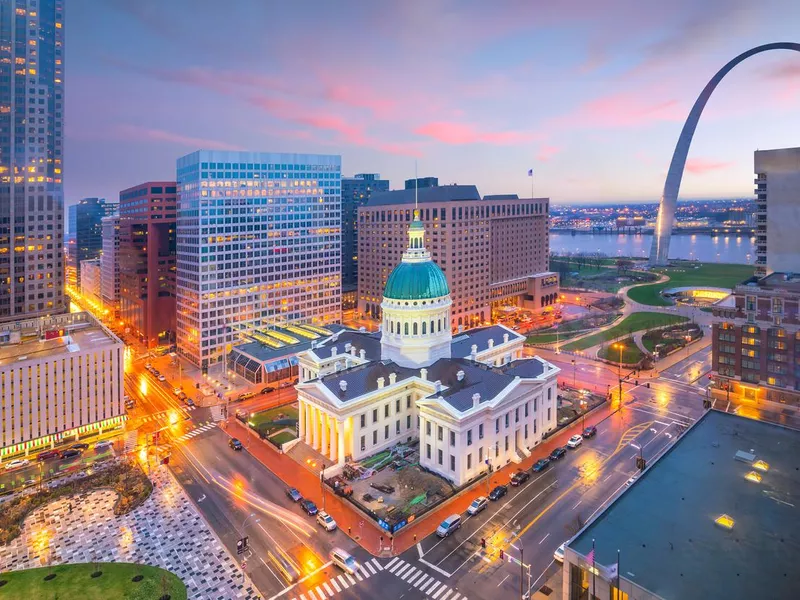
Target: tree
(624, 265)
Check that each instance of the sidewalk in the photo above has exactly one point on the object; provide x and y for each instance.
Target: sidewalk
(369, 535)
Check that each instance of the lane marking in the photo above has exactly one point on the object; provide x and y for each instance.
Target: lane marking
(576, 504)
(390, 563)
(435, 568)
(424, 577)
(544, 538)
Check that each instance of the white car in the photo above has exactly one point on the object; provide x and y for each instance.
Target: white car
(575, 441)
(162, 378)
(477, 505)
(326, 520)
(148, 366)
(16, 464)
(103, 444)
(176, 391)
(558, 555)
(630, 481)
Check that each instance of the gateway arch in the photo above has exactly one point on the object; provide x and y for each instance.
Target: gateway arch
(659, 252)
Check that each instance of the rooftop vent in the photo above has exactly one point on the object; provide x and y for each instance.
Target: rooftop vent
(347, 347)
(460, 375)
(476, 399)
(743, 456)
(381, 382)
(362, 354)
(505, 338)
(343, 385)
(392, 378)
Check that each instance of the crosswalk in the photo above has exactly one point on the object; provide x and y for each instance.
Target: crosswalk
(195, 432)
(424, 582)
(334, 585)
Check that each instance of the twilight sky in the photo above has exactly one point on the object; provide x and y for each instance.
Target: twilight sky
(592, 97)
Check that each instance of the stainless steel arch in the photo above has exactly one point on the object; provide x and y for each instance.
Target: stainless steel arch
(669, 198)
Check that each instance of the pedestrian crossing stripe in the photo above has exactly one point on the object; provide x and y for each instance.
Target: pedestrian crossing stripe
(424, 582)
(341, 582)
(195, 432)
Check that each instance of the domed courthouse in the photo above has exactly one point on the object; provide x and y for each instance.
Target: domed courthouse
(471, 400)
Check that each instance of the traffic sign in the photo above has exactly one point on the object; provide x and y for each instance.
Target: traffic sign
(241, 545)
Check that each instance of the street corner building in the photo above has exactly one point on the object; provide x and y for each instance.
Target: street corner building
(61, 378)
(472, 401)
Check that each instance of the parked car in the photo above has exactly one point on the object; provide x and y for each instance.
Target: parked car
(477, 505)
(558, 555)
(245, 395)
(267, 390)
(182, 396)
(448, 526)
(103, 444)
(129, 404)
(177, 391)
(589, 432)
(498, 492)
(558, 453)
(326, 521)
(631, 481)
(162, 378)
(235, 444)
(190, 402)
(343, 560)
(148, 366)
(575, 441)
(309, 507)
(17, 464)
(70, 453)
(541, 465)
(80, 446)
(519, 478)
(47, 454)
(294, 495)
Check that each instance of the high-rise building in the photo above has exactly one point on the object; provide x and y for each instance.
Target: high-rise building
(31, 158)
(422, 182)
(259, 242)
(147, 260)
(109, 264)
(778, 210)
(85, 223)
(494, 250)
(90, 279)
(72, 369)
(356, 191)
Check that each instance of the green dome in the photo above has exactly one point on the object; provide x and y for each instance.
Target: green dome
(416, 281)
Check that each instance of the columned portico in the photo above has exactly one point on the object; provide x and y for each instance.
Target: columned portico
(340, 439)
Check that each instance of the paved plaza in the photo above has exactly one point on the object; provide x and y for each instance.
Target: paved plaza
(166, 531)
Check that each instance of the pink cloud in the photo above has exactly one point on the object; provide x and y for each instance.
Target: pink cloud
(136, 133)
(449, 132)
(359, 97)
(547, 152)
(623, 109)
(701, 166)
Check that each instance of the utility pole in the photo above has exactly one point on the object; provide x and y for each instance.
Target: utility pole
(573, 373)
(521, 572)
(322, 484)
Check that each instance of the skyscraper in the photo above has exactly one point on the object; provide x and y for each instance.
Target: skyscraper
(109, 264)
(86, 225)
(259, 243)
(31, 155)
(356, 191)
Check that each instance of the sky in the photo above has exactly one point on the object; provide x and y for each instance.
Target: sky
(590, 95)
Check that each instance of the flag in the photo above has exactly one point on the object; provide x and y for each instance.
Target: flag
(590, 557)
(530, 172)
(610, 573)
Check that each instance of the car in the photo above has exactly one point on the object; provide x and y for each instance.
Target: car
(294, 495)
(162, 378)
(498, 492)
(148, 366)
(47, 454)
(343, 560)
(155, 371)
(287, 384)
(541, 465)
(102, 445)
(190, 402)
(267, 389)
(519, 478)
(450, 525)
(575, 441)
(129, 404)
(70, 453)
(477, 505)
(182, 396)
(309, 507)
(631, 481)
(80, 446)
(17, 464)
(558, 555)
(235, 444)
(589, 432)
(558, 453)
(177, 391)
(326, 521)
(245, 395)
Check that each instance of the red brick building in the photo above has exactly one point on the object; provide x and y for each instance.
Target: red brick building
(147, 260)
(493, 250)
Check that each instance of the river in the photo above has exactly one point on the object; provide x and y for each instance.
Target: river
(706, 248)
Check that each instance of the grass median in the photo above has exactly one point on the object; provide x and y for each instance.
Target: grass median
(718, 275)
(630, 324)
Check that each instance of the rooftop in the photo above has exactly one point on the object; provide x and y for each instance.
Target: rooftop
(462, 344)
(266, 347)
(445, 193)
(664, 524)
(784, 282)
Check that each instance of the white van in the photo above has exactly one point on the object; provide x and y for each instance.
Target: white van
(343, 560)
(448, 526)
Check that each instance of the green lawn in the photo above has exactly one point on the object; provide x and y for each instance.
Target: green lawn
(282, 437)
(549, 338)
(631, 323)
(685, 275)
(630, 353)
(74, 581)
(264, 421)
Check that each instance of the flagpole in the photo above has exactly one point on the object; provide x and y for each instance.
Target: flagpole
(593, 570)
(619, 592)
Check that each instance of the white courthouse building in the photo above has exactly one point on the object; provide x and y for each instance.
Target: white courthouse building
(472, 400)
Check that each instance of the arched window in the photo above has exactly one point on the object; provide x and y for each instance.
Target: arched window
(460, 321)
(433, 329)
(415, 329)
(424, 328)
(391, 326)
(406, 329)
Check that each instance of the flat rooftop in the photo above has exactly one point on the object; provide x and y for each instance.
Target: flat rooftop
(79, 337)
(664, 525)
(790, 282)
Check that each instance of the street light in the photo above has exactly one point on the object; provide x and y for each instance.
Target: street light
(322, 484)
(573, 373)
(620, 346)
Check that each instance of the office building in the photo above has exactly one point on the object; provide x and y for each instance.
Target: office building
(422, 182)
(109, 265)
(778, 210)
(471, 401)
(31, 158)
(85, 223)
(356, 191)
(90, 280)
(61, 378)
(714, 517)
(147, 261)
(493, 250)
(259, 242)
(756, 342)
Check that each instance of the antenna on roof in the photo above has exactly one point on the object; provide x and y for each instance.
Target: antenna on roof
(416, 187)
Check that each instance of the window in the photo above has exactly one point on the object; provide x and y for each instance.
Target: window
(469, 437)
(386, 411)
(375, 437)
(480, 454)
(480, 431)
(452, 438)
(516, 415)
(496, 449)
(440, 433)
(548, 413)
(408, 401)
(526, 408)
(428, 451)
(549, 393)
(506, 443)
(497, 425)
(526, 431)
(408, 421)
(397, 426)
(386, 432)
(375, 415)
(452, 463)
(469, 461)
(397, 405)
(363, 420)
(363, 442)
(507, 414)
(428, 427)
(535, 404)
(441, 456)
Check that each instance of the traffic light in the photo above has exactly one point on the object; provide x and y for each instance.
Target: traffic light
(648, 385)
(483, 542)
(502, 554)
